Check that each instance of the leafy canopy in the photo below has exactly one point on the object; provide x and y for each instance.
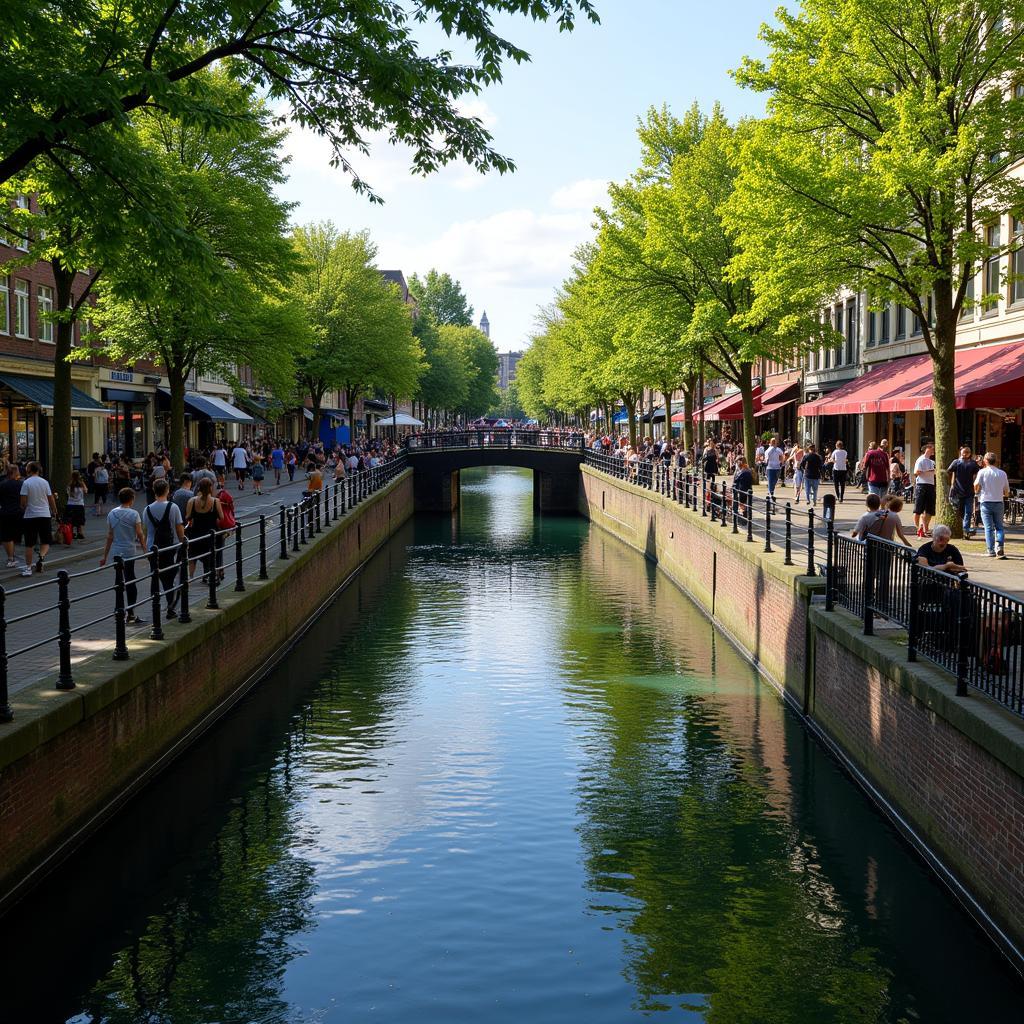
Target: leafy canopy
(441, 298)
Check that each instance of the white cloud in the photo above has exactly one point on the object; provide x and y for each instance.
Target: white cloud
(581, 195)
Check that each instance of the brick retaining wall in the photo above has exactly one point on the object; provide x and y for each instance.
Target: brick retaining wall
(948, 770)
(69, 759)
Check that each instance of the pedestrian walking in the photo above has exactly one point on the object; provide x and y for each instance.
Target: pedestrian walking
(164, 529)
(277, 461)
(124, 531)
(220, 463)
(183, 495)
(258, 474)
(962, 472)
(100, 488)
(811, 466)
(202, 514)
(839, 461)
(38, 512)
(291, 461)
(924, 491)
(74, 511)
(11, 514)
(240, 464)
(743, 485)
(875, 465)
(773, 460)
(992, 487)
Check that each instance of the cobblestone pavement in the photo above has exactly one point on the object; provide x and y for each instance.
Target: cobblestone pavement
(31, 601)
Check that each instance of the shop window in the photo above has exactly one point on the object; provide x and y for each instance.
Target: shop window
(1017, 262)
(5, 306)
(24, 430)
(901, 322)
(21, 320)
(44, 310)
(991, 272)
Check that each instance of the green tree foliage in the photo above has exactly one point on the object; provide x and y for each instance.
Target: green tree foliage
(342, 68)
(441, 298)
(507, 406)
(218, 302)
(362, 338)
(480, 361)
(891, 129)
(444, 385)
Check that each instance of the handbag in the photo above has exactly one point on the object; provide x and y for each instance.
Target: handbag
(65, 534)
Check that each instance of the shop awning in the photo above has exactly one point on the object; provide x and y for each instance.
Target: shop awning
(778, 398)
(39, 391)
(729, 407)
(211, 408)
(308, 414)
(376, 405)
(989, 377)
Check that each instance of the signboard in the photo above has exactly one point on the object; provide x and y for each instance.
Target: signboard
(125, 376)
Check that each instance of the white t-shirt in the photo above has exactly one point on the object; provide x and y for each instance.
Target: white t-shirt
(839, 457)
(220, 457)
(239, 458)
(992, 483)
(924, 470)
(37, 490)
(773, 457)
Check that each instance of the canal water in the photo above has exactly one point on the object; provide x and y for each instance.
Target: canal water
(512, 775)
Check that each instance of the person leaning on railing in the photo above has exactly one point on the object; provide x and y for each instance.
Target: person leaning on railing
(939, 554)
(743, 486)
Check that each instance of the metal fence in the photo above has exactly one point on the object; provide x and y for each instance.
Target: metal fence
(164, 582)
(974, 632)
(497, 438)
(796, 534)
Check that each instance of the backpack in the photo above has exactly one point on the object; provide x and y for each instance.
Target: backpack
(162, 536)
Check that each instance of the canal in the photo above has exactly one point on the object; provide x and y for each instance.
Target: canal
(511, 775)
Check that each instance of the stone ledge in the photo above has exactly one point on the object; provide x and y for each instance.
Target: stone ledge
(993, 728)
(42, 712)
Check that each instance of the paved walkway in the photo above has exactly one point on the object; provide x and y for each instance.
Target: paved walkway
(35, 597)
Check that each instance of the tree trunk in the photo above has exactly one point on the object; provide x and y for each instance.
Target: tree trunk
(747, 392)
(60, 455)
(176, 385)
(701, 435)
(666, 391)
(944, 413)
(351, 394)
(688, 386)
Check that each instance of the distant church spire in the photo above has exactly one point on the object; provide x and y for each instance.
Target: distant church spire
(485, 324)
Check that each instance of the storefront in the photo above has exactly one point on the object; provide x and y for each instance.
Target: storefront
(26, 406)
(125, 432)
(208, 420)
(894, 401)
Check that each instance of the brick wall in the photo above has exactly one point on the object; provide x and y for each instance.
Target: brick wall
(68, 756)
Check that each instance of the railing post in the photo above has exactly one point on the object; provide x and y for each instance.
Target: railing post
(211, 575)
(336, 501)
(830, 567)
(723, 519)
(913, 625)
(284, 531)
(326, 498)
(735, 512)
(120, 613)
(768, 526)
(703, 495)
(263, 547)
(869, 587)
(789, 535)
(184, 615)
(156, 631)
(963, 636)
(748, 511)
(711, 499)
(301, 512)
(811, 570)
(6, 711)
(294, 525)
(317, 499)
(239, 573)
(64, 680)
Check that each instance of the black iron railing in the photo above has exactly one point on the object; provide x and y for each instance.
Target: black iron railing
(163, 583)
(496, 438)
(974, 632)
(798, 535)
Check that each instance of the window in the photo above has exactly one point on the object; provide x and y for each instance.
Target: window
(45, 308)
(1017, 262)
(991, 272)
(901, 322)
(851, 331)
(883, 330)
(5, 306)
(872, 327)
(967, 310)
(915, 325)
(21, 321)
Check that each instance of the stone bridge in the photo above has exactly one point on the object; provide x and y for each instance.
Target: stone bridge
(437, 459)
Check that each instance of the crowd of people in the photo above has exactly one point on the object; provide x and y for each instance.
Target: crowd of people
(191, 500)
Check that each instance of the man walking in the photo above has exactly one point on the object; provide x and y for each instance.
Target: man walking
(924, 491)
(220, 464)
(164, 529)
(876, 469)
(773, 457)
(839, 460)
(239, 463)
(38, 510)
(811, 466)
(124, 529)
(277, 461)
(962, 472)
(992, 486)
(10, 514)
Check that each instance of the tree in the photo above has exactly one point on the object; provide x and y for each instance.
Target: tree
(342, 68)
(441, 298)
(444, 383)
(481, 362)
(218, 302)
(885, 153)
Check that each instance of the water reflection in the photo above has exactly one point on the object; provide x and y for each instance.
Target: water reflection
(512, 774)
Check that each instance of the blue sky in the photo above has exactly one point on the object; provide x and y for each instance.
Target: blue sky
(568, 119)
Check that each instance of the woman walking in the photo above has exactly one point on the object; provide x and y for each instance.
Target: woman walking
(75, 510)
(202, 513)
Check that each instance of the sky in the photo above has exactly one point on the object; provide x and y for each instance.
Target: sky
(568, 120)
